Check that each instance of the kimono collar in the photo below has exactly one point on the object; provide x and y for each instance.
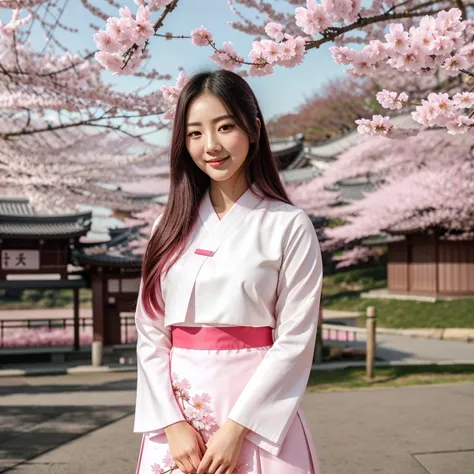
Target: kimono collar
(238, 211)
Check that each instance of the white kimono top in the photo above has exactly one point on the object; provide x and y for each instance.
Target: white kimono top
(265, 269)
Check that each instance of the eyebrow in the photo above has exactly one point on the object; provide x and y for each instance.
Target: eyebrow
(217, 119)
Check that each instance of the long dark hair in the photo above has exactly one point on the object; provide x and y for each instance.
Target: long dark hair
(189, 183)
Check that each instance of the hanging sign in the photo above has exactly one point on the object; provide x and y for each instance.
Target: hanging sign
(20, 260)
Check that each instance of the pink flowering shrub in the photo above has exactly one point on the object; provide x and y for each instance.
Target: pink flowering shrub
(44, 337)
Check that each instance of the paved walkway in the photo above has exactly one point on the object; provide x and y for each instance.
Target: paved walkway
(83, 424)
(416, 350)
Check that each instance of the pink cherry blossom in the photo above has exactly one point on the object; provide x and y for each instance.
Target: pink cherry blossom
(157, 469)
(125, 12)
(171, 95)
(226, 57)
(268, 50)
(376, 51)
(397, 39)
(168, 459)
(112, 62)
(460, 124)
(143, 27)
(259, 70)
(158, 4)
(274, 31)
(343, 55)
(355, 255)
(106, 43)
(454, 63)
(313, 19)
(342, 10)
(15, 23)
(201, 36)
(463, 100)
(377, 126)
(390, 100)
(363, 62)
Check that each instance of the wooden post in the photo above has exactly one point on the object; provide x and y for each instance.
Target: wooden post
(76, 318)
(98, 306)
(370, 343)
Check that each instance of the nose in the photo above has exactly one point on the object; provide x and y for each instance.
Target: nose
(212, 143)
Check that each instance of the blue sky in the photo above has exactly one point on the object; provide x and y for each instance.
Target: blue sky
(278, 93)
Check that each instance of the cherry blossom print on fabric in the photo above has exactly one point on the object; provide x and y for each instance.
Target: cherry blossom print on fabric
(199, 414)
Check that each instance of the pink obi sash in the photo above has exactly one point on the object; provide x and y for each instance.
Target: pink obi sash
(221, 338)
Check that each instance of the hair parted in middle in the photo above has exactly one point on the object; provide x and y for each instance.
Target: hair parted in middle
(188, 183)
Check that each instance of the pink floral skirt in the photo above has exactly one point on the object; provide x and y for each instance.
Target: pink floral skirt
(210, 367)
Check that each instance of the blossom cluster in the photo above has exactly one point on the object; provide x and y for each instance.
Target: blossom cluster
(7, 30)
(196, 409)
(415, 184)
(436, 43)
(438, 109)
(315, 18)
(121, 44)
(171, 95)
(356, 255)
(283, 49)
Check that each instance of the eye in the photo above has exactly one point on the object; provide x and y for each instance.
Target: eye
(193, 134)
(227, 126)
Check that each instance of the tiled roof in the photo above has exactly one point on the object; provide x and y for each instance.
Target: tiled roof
(299, 174)
(351, 191)
(18, 219)
(115, 252)
(15, 207)
(44, 229)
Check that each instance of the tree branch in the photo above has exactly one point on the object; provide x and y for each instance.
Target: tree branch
(363, 22)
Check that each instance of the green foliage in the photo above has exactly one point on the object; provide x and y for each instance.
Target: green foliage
(341, 291)
(348, 379)
(335, 222)
(32, 298)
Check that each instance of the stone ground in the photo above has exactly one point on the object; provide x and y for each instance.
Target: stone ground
(75, 424)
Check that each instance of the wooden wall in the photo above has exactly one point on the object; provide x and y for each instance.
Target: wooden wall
(422, 265)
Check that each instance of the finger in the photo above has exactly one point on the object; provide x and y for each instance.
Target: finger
(188, 467)
(213, 467)
(180, 466)
(202, 445)
(221, 469)
(195, 460)
(204, 465)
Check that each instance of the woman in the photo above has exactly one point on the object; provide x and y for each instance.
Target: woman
(228, 305)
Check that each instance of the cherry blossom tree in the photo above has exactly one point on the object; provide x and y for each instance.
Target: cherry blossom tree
(415, 37)
(64, 131)
(423, 182)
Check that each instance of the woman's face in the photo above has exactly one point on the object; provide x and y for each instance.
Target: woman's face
(211, 133)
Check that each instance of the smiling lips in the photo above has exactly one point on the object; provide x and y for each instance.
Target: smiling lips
(217, 160)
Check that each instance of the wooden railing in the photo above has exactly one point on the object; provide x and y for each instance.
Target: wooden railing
(343, 333)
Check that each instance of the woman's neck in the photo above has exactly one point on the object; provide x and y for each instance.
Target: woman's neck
(224, 195)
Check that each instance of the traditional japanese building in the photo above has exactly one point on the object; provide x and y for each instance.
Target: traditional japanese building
(114, 275)
(47, 252)
(427, 263)
(35, 250)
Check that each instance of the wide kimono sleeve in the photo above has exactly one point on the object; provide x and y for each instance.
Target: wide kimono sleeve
(268, 404)
(156, 405)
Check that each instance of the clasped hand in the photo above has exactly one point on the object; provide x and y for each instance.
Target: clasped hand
(223, 449)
